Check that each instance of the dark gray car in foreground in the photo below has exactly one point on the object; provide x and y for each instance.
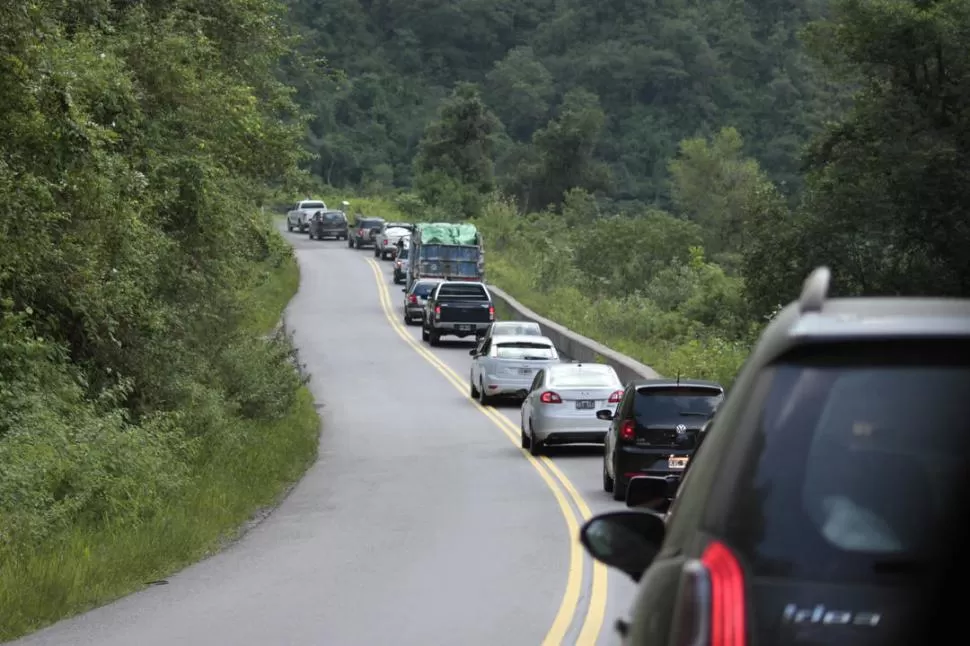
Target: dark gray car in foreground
(812, 507)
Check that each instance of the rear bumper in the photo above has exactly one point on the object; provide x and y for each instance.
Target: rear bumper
(567, 430)
(506, 386)
(461, 329)
(337, 233)
(414, 312)
(636, 461)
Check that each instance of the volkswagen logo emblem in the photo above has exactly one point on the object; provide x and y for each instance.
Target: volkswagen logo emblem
(681, 428)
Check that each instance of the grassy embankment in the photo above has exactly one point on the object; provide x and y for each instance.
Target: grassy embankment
(529, 259)
(89, 565)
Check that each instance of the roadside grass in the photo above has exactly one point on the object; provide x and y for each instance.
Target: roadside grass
(90, 565)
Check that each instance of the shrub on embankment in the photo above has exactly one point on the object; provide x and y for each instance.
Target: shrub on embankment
(144, 414)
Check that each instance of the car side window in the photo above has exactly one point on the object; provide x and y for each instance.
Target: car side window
(626, 404)
(537, 382)
(486, 347)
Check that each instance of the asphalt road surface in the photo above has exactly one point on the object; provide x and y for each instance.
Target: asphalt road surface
(422, 522)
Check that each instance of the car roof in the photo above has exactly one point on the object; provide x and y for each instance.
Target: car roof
(667, 382)
(816, 319)
(518, 338)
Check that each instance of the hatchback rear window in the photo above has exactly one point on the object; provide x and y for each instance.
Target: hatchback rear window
(671, 404)
(333, 217)
(524, 351)
(424, 289)
(511, 328)
(853, 464)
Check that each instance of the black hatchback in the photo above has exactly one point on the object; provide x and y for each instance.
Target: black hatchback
(654, 431)
(816, 506)
(328, 224)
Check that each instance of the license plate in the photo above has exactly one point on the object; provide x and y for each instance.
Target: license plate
(525, 371)
(585, 404)
(464, 328)
(677, 462)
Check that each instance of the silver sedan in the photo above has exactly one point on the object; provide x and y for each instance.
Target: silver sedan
(504, 366)
(562, 403)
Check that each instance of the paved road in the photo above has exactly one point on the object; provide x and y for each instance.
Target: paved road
(421, 523)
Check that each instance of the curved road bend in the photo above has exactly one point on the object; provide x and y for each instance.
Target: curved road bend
(421, 523)
(579, 466)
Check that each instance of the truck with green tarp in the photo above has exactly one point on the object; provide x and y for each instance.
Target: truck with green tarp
(446, 250)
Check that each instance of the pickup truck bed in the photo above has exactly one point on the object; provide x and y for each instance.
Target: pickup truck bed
(458, 309)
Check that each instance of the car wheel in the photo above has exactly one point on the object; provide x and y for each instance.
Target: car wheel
(289, 227)
(350, 243)
(473, 392)
(407, 320)
(535, 446)
(424, 334)
(619, 487)
(483, 399)
(434, 337)
(525, 440)
(607, 480)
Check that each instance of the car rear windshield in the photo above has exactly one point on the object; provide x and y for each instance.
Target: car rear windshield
(370, 224)
(671, 404)
(424, 289)
(524, 350)
(403, 253)
(471, 291)
(313, 205)
(853, 463)
(585, 379)
(528, 329)
(332, 216)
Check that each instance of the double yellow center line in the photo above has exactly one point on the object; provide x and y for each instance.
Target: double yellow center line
(554, 478)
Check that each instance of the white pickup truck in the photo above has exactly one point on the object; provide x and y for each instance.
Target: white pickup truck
(298, 219)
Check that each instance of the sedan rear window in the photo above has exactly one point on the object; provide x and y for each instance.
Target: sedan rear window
(671, 404)
(853, 464)
(587, 379)
(524, 350)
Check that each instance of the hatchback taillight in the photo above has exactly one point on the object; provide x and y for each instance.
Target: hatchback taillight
(615, 397)
(710, 607)
(550, 397)
(412, 299)
(627, 430)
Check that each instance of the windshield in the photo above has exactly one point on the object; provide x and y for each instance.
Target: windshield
(854, 466)
(313, 205)
(525, 351)
(516, 329)
(585, 379)
(671, 404)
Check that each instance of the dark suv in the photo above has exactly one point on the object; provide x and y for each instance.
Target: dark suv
(328, 224)
(362, 232)
(811, 510)
(655, 429)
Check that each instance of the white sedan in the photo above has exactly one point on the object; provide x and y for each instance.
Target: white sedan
(504, 366)
(562, 403)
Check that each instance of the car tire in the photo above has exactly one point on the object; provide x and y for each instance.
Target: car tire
(289, 227)
(535, 446)
(607, 480)
(619, 487)
(472, 391)
(424, 334)
(350, 243)
(483, 399)
(434, 337)
(525, 440)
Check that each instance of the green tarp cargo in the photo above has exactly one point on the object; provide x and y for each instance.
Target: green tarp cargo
(447, 233)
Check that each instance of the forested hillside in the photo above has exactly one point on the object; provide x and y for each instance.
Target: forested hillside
(657, 73)
(658, 175)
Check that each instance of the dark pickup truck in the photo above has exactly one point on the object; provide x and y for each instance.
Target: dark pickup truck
(457, 308)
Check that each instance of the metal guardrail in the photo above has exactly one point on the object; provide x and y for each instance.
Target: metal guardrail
(576, 346)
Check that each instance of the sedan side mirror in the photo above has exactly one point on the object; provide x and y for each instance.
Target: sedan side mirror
(625, 540)
(604, 414)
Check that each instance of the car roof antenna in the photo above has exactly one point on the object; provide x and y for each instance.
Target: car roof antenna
(678, 377)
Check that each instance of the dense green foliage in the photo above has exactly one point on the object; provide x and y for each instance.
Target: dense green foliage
(136, 142)
(601, 151)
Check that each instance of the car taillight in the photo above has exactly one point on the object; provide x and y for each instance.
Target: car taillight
(412, 299)
(711, 604)
(491, 312)
(615, 397)
(550, 397)
(385, 242)
(360, 233)
(626, 430)
(437, 310)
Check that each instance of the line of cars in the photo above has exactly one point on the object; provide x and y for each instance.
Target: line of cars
(648, 427)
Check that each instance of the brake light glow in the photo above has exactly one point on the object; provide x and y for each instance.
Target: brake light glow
(550, 397)
(385, 242)
(727, 596)
(412, 299)
(360, 232)
(711, 604)
(626, 430)
(615, 397)
(437, 310)
(491, 312)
